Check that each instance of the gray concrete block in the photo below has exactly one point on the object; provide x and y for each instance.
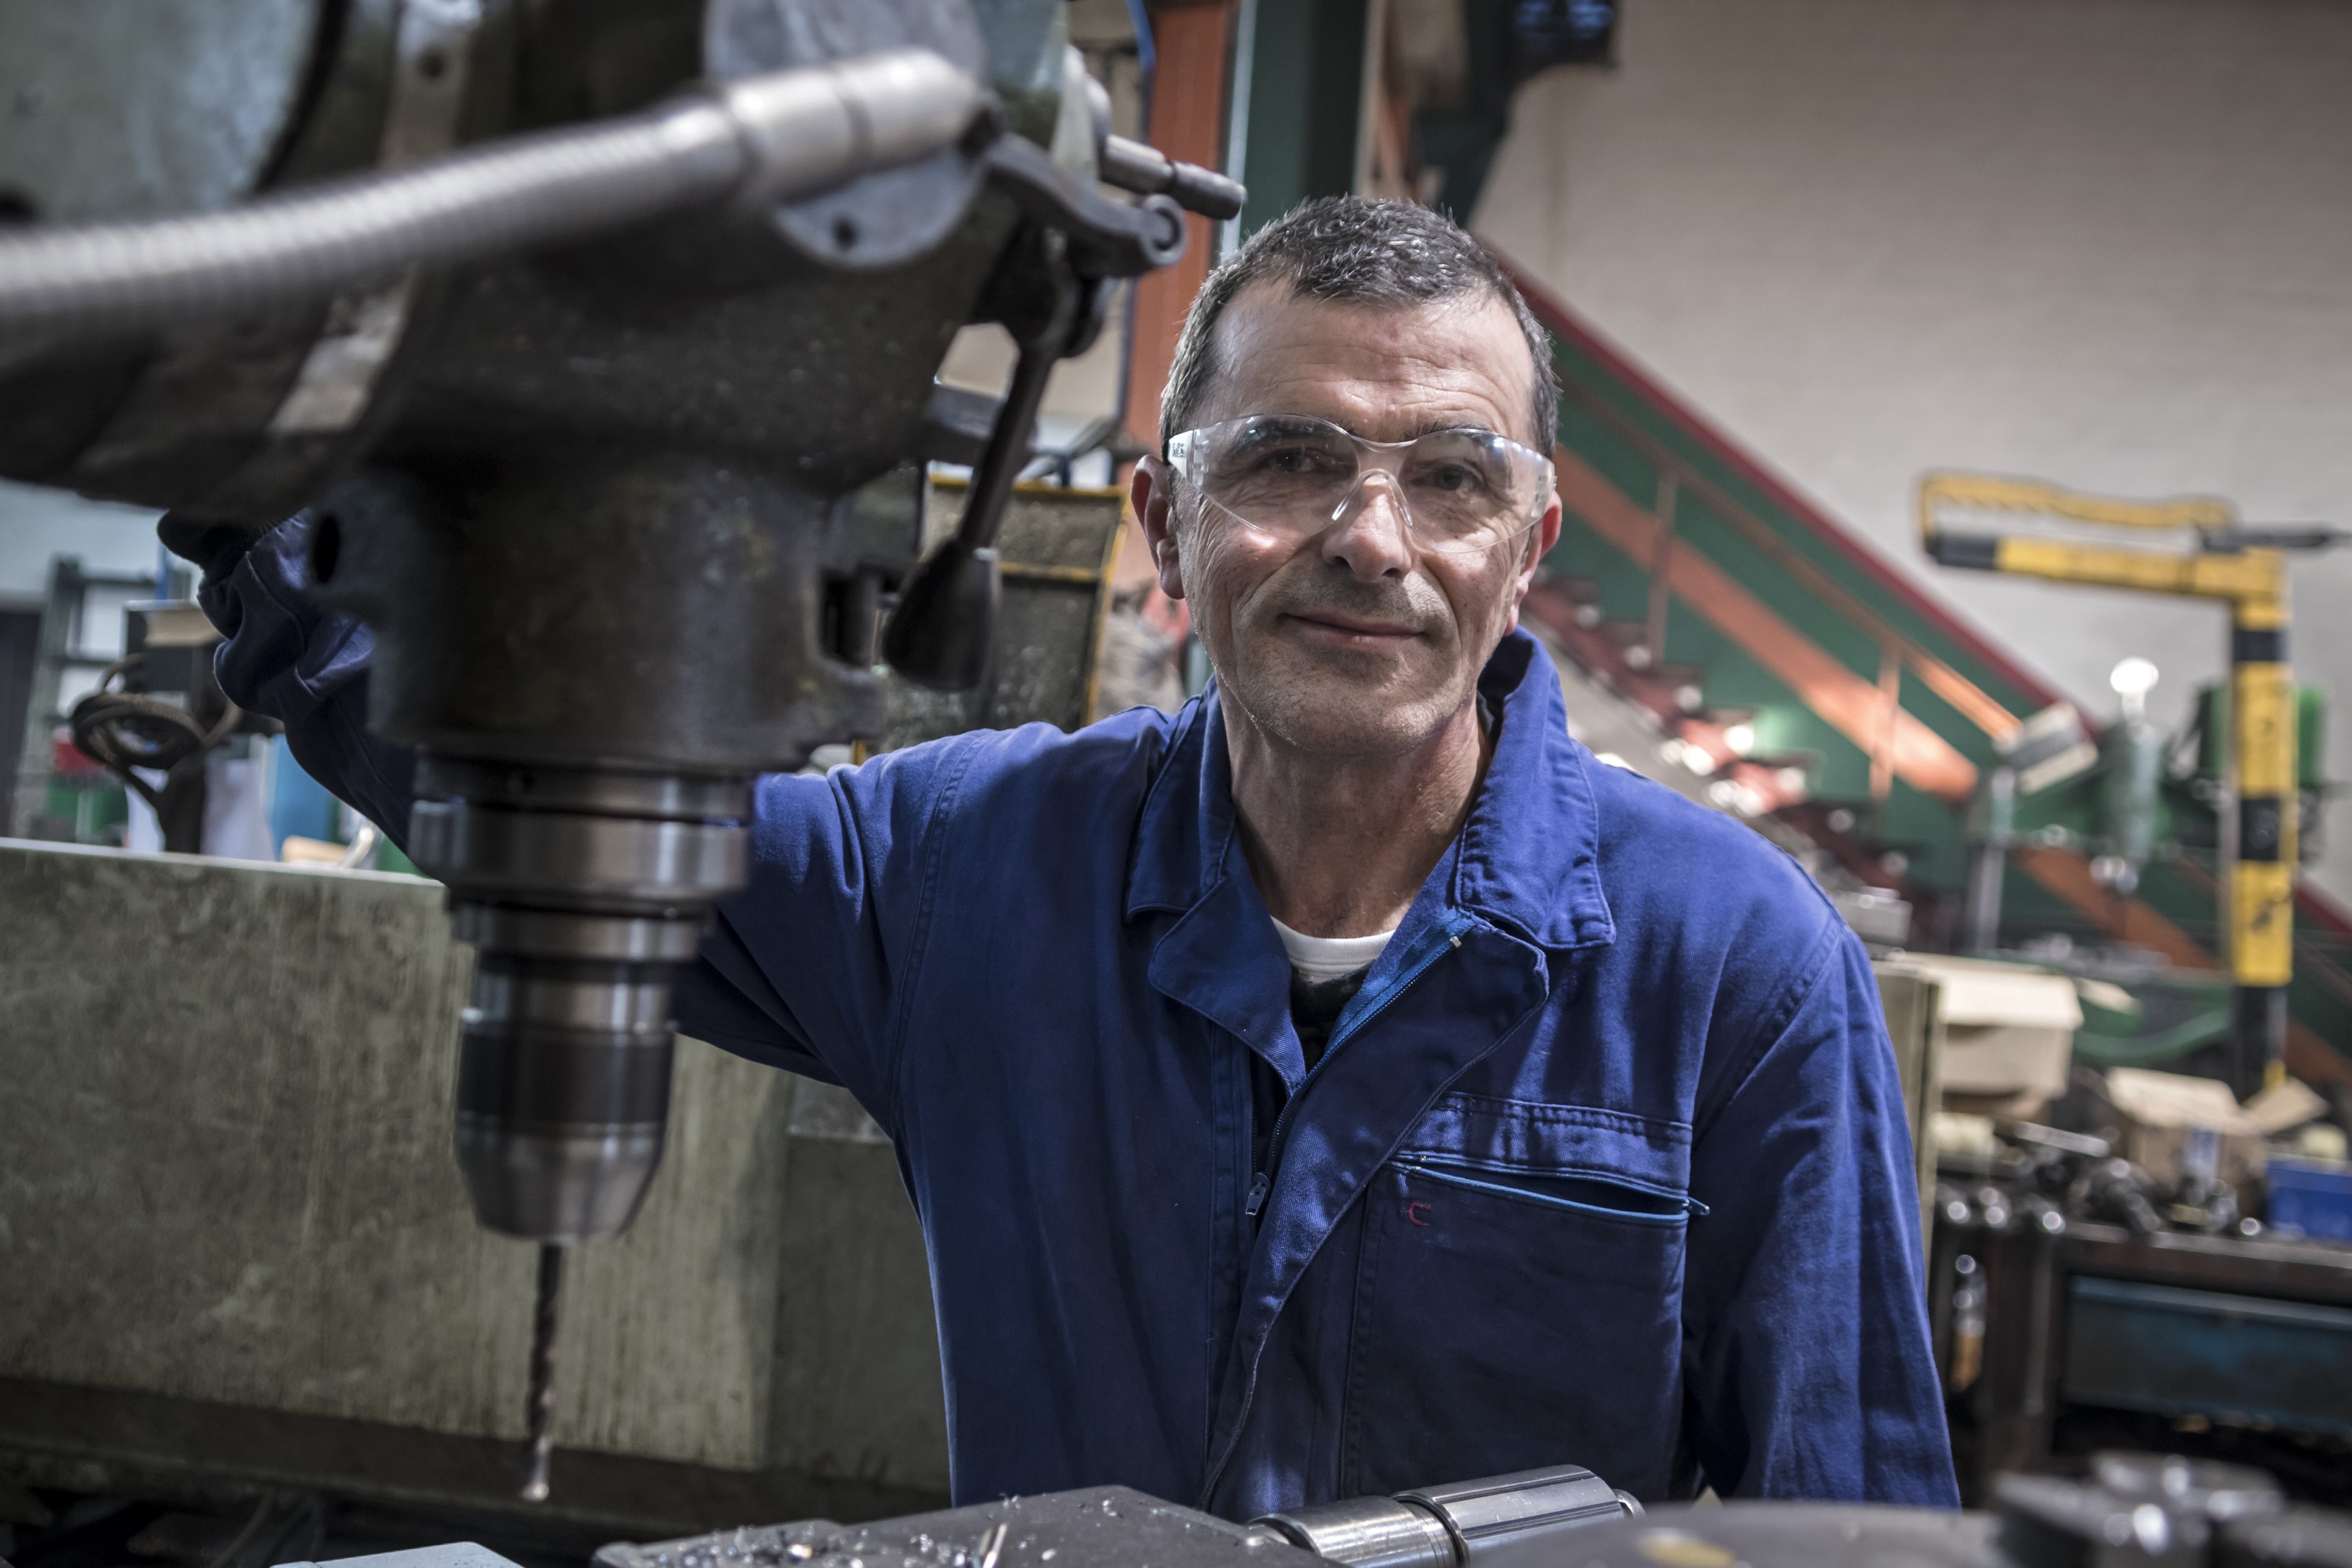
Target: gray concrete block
(228, 1179)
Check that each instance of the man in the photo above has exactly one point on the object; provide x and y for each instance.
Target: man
(1346, 1083)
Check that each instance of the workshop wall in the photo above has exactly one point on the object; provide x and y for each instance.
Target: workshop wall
(36, 523)
(2107, 242)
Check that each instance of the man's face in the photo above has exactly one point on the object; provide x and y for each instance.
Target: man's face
(1356, 641)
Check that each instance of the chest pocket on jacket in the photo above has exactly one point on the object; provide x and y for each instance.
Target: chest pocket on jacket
(1518, 1305)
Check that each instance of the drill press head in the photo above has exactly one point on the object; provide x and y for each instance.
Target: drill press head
(612, 429)
(625, 499)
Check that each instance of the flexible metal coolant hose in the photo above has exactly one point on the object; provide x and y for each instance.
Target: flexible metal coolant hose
(759, 141)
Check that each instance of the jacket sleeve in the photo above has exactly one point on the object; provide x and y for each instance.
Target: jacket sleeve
(803, 969)
(1807, 1364)
(799, 969)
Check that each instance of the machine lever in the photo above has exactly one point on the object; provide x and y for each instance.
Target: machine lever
(944, 629)
(957, 423)
(1141, 167)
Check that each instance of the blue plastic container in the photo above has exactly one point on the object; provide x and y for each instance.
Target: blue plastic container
(2312, 1198)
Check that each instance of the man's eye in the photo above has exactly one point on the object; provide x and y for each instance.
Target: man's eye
(1454, 479)
(1290, 461)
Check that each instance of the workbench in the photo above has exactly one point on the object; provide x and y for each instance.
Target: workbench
(2235, 1343)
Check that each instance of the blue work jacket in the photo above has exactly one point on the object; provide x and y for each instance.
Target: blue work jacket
(1607, 1163)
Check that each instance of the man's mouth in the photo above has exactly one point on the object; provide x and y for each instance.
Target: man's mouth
(1350, 631)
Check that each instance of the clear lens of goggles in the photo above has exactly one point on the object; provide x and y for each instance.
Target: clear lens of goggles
(1291, 477)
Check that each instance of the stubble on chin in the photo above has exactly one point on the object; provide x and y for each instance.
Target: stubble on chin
(1320, 699)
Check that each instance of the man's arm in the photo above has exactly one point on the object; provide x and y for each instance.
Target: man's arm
(802, 969)
(797, 971)
(1805, 1331)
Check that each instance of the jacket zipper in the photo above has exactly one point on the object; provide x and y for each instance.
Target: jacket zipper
(1452, 1174)
(1263, 1182)
(1259, 1181)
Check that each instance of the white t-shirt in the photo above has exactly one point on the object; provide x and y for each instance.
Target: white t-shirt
(1330, 957)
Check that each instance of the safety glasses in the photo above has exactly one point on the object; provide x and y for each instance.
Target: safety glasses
(1291, 478)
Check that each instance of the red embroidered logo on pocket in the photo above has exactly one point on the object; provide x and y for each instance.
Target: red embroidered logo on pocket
(1415, 1210)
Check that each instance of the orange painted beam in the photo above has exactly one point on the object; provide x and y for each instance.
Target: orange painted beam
(1848, 703)
(2067, 875)
(1188, 123)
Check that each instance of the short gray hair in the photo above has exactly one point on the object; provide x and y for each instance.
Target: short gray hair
(1349, 250)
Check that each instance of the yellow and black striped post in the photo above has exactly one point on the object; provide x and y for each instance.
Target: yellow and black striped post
(2262, 870)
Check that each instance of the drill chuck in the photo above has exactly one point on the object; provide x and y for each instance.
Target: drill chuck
(582, 890)
(562, 1093)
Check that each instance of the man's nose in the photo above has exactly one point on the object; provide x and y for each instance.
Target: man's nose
(1372, 534)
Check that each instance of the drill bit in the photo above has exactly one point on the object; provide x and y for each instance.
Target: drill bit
(539, 1414)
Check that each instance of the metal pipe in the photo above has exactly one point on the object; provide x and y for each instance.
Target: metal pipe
(1368, 1532)
(759, 140)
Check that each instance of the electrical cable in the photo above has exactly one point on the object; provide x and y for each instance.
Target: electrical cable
(126, 730)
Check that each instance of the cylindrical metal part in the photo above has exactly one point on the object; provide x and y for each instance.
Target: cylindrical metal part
(1526, 1504)
(1453, 1526)
(582, 890)
(562, 1094)
(893, 108)
(1142, 167)
(1368, 1532)
(550, 933)
(1133, 165)
(628, 860)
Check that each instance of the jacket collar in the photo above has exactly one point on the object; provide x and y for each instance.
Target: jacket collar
(1528, 856)
(1188, 820)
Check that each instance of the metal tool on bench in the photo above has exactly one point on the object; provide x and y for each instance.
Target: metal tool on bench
(598, 343)
(1450, 1527)
(1471, 1523)
(2161, 1511)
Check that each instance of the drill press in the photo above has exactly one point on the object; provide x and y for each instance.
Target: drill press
(595, 339)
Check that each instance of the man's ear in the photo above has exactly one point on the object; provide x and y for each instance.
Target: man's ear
(1540, 538)
(1150, 491)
